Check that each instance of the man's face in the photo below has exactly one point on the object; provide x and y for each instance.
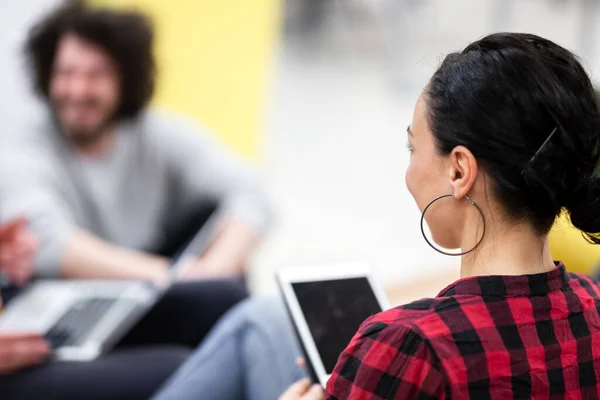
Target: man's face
(84, 89)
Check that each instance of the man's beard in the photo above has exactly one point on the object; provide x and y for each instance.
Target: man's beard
(84, 137)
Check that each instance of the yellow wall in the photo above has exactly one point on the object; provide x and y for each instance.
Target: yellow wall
(214, 59)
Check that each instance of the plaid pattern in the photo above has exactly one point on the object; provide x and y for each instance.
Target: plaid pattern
(495, 337)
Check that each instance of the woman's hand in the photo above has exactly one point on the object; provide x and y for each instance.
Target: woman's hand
(18, 247)
(21, 350)
(302, 390)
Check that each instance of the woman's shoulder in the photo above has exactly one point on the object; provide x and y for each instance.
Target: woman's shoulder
(406, 314)
(590, 285)
(412, 313)
(427, 318)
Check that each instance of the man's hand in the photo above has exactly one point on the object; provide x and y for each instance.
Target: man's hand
(89, 257)
(302, 390)
(18, 247)
(198, 270)
(21, 350)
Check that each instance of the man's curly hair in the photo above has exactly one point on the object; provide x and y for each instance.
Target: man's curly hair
(126, 36)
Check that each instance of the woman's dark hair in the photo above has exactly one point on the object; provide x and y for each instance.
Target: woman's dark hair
(126, 36)
(502, 97)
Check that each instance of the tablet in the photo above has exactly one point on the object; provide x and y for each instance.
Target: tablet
(327, 304)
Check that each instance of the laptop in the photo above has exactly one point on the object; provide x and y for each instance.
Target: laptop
(83, 319)
(327, 305)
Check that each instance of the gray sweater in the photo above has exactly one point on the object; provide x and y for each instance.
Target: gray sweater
(159, 167)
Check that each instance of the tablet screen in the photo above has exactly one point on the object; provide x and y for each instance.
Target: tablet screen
(334, 310)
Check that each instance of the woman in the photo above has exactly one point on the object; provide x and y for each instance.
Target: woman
(505, 137)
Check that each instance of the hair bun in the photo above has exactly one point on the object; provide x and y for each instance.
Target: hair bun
(583, 204)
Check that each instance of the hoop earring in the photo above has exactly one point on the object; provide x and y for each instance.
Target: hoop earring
(431, 244)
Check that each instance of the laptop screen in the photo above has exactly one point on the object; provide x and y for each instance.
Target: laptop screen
(334, 310)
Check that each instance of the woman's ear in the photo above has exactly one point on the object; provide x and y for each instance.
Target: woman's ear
(463, 171)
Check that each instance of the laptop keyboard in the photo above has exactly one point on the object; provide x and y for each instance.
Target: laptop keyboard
(78, 321)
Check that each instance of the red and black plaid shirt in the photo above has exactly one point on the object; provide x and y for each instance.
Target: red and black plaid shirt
(495, 337)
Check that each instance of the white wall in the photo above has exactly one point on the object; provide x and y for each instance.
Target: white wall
(16, 98)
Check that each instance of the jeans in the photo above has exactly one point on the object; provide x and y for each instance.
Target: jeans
(250, 354)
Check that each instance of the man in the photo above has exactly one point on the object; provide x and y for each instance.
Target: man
(108, 186)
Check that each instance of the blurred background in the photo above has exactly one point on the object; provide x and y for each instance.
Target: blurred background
(318, 94)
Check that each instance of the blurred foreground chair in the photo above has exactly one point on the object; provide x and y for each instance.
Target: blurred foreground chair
(569, 246)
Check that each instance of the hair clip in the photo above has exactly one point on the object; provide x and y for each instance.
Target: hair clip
(540, 149)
